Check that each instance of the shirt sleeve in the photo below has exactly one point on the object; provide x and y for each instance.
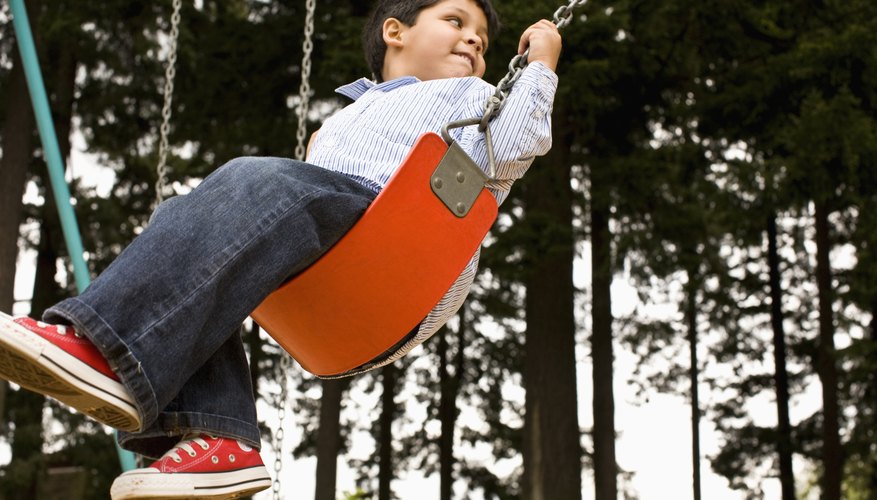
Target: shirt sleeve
(521, 131)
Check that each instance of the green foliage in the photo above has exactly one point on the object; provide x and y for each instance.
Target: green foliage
(358, 494)
(859, 480)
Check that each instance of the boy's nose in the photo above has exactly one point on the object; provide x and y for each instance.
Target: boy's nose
(474, 40)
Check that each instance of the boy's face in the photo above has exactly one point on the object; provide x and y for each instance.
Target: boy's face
(448, 40)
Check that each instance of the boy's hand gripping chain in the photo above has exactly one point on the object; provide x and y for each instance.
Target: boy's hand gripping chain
(562, 17)
(493, 105)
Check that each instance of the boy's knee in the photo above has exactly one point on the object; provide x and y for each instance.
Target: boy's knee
(255, 176)
(164, 207)
(239, 166)
(254, 167)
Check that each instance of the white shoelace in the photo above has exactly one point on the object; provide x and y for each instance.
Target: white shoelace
(61, 329)
(186, 445)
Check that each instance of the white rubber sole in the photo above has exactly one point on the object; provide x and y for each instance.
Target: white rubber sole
(36, 364)
(150, 483)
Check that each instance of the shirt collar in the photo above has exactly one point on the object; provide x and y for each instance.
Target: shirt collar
(356, 89)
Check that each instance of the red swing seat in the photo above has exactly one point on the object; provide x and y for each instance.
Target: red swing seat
(383, 277)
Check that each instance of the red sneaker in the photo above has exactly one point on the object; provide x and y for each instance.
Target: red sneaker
(56, 361)
(199, 466)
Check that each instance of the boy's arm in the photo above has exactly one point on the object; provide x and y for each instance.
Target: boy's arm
(522, 129)
(311, 143)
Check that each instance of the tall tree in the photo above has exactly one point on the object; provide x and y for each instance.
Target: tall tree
(450, 377)
(552, 450)
(691, 292)
(17, 149)
(826, 359)
(605, 469)
(329, 438)
(389, 382)
(781, 377)
(636, 72)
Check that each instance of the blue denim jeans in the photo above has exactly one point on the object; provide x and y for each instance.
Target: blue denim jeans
(167, 312)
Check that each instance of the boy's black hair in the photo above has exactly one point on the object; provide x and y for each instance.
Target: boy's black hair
(405, 11)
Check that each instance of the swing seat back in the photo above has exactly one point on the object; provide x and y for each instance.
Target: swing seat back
(382, 278)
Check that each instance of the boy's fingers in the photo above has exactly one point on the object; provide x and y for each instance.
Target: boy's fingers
(540, 26)
(547, 24)
(525, 40)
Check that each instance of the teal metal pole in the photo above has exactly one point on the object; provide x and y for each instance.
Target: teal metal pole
(52, 153)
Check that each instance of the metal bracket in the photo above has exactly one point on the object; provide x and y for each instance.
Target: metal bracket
(457, 181)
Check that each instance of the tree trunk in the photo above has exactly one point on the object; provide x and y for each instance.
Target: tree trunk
(47, 292)
(17, 147)
(873, 393)
(329, 438)
(51, 246)
(450, 388)
(18, 128)
(552, 450)
(605, 467)
(694, 379)
(781, 377)
(389, 375)
(446, 417)
(826, 361)
(62, 99)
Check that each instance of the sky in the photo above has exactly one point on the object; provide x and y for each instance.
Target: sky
(654, 442)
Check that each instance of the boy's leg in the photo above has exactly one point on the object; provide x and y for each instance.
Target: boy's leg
(200, 408)
(178, 293)
(204, 452)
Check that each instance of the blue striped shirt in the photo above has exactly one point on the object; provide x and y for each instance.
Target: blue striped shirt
(369, 139)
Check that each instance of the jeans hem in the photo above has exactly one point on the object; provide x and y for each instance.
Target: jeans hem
(123, 363)
(171, 426)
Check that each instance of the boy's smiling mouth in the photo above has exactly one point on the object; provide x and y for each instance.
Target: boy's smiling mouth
(468, 58)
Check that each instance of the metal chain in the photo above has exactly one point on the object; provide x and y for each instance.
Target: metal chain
(164, 130)
(304, 93)
(277, 438)
(562, 17)
(304, 90)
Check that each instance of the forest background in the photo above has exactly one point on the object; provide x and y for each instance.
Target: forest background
(713, 159)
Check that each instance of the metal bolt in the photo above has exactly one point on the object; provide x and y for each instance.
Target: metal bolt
(461, 178)
(461, 208)
(437, 182)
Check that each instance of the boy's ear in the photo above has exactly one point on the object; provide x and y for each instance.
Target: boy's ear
(392, 31)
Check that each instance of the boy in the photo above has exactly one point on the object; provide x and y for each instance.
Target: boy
(151, 347)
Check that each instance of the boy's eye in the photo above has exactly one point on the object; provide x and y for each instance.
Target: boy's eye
(456, 21)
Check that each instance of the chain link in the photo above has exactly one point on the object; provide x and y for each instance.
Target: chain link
(277, 438)
(164, 130)
(493, 105)
(304, 90)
